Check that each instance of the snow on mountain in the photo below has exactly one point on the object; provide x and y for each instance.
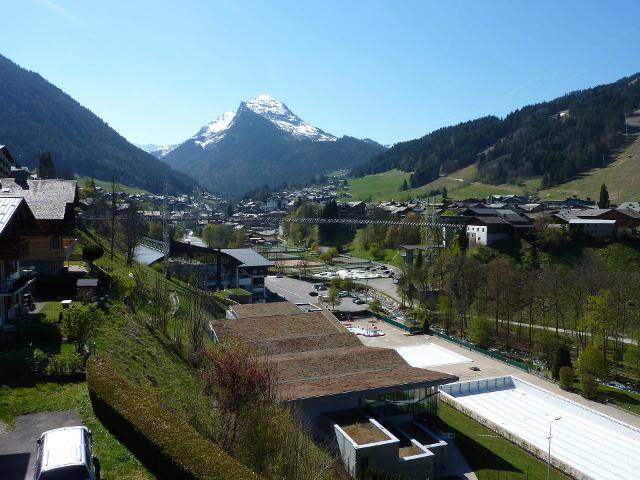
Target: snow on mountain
(148, 147)
(214, 132)
(264, 105)
(164, 150)
(283, 118)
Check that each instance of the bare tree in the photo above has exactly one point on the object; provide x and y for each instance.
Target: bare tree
(132, 230)
(240, 382)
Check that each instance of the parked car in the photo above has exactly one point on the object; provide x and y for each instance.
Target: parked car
(279, 275)
(358, 301)
(343, 293)
(66, 454)
(313, 293)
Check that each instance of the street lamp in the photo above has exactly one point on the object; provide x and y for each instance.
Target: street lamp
(549, 458)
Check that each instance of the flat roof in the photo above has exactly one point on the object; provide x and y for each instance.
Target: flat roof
(315, 355)
(252, 310)
(589, 221)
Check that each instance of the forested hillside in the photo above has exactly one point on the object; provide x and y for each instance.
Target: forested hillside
(36, 115)
(555, 140)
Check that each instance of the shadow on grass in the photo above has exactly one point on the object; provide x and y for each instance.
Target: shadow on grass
(620, 398)
(477, 455)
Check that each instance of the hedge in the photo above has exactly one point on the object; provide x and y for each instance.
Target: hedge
(167, 445)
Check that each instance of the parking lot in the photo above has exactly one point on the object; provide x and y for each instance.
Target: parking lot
(297, 291)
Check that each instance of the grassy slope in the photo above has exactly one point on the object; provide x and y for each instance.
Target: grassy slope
(459, 184)
(489, 455)
(107, 186)
(382, 186)
(622, 178)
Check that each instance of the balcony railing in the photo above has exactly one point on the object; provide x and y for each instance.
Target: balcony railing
(17, 280)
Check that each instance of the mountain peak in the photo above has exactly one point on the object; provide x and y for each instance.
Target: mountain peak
(279, 114)
(214, 131)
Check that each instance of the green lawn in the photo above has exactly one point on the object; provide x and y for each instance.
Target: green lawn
(120, 187)
(51, 311)
(382, 186)
(626, 400)
(115, 460)
(491, 456)
(391, 256)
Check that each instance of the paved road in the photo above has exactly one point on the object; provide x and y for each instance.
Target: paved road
(18, 446)
(297, 291)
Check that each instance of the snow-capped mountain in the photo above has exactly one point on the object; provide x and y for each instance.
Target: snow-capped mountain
(283, 118)
(262, 142)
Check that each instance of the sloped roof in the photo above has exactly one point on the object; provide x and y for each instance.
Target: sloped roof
(47, 199)
(8, 208)
(247, 257)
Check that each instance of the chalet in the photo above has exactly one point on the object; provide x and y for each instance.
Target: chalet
(352, 210)
(52, 203)
(15, 219)
(625, 218)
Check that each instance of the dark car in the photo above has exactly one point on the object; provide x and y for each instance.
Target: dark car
(313, 293)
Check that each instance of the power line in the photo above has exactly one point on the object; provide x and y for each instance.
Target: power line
(431, 222)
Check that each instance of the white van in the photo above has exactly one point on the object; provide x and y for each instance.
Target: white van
(66, 454)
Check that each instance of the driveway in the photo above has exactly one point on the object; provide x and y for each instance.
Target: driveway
(18, 446)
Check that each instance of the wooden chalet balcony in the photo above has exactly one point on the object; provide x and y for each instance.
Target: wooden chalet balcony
(17, 250)
(40, 249)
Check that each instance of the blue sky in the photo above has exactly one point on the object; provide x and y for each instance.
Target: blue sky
(157, 71)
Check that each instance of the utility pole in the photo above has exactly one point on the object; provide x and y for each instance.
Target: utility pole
(114, 209)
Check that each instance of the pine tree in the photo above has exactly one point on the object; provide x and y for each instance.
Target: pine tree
(604, 197)
(405, 186)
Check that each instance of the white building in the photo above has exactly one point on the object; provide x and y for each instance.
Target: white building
(487, 230)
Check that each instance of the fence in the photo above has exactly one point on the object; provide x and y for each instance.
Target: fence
(475, 348)
(395, 323)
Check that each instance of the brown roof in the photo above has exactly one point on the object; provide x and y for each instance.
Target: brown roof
(401, 377)
(315, 355)
(277, 327)
(265, 309)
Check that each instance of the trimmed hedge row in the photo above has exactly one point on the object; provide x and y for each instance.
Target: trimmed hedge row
(167, 445)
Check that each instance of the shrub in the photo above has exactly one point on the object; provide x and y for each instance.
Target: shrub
(167, 445)
(567, 377)
(79, 322)
(561, 358)
(593, 362)
(64, 364)
(91, 253)
(589, 386)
